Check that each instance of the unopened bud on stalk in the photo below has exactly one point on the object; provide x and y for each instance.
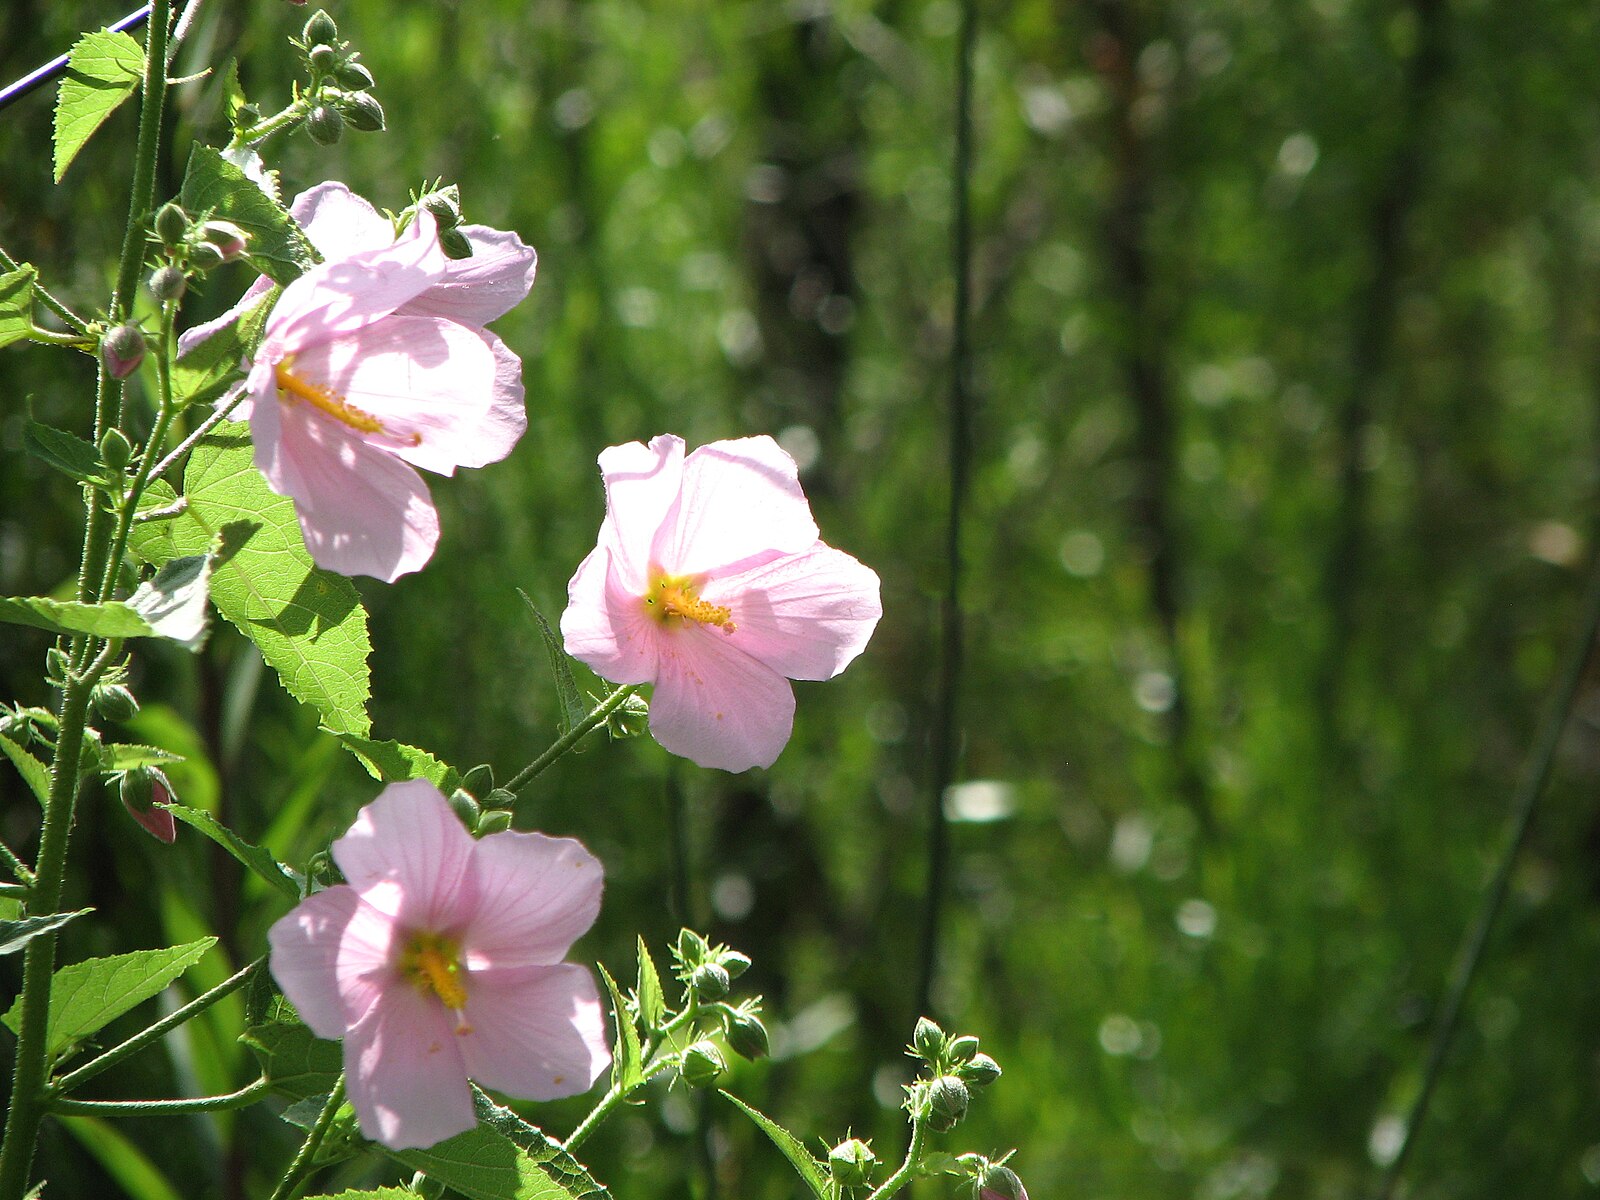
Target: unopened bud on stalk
(322, 57)
(703, 1064)
(466, 808)
(710, 981)
(168, 283)
(122, 350)
(747, 1036)
(961, 1049)
(454, 243)
(319, 28)
(203, 256)
(143, 788)
(479, 781)
(171, 223)
(851, 1163)
(444, 208)
(363, 112)
(324, 125)
(115, 450)
(947, 1102)
(928, 1039)
(354, 77)
(979, 1071)
(691, 948)
(999, 1183)
(735, 964)
(493, 820)
(114, 702)
(229, 240)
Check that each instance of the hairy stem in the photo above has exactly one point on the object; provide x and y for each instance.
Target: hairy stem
(142, 200)
(573, 736)
(245, 1096)
(901, 1177)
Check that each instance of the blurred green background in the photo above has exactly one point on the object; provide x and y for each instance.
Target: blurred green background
(1287, 366)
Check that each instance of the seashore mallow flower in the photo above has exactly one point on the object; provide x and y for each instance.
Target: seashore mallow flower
(440, 960)
(709, 582)
(377, 362)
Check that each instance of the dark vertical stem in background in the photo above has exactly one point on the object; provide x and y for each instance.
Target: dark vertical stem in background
(1372, 342)
(1116, 50)
(946, 731)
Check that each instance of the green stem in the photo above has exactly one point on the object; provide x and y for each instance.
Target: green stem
(615, 1095)
(301, 1166)
(163, 1108)
(142, 201)
(15, 865)
(68, 318)
(157, 1031)
(573, 736)
(49, 337)
(261, 131)
(891, 1185)
(188, 443)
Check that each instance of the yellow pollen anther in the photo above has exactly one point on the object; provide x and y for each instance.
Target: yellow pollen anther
(676, 596)
(291, 388)
(433, 966)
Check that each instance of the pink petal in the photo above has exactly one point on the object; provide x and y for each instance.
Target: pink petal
(538, 1033)
(422, 377)
(346, 293)
(605, 625)
(739, 499)
(330, 955)
(362, 511)
(715, 705)
(409, 856)
(507, 419)
(340, 223)
(403, 1066)
(804, 615)
(536, 896)
(190, 338)
(642, 486)
(493, 281)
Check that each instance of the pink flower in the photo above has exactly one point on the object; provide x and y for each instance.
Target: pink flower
(440, 960)
(376, 362)
(709, 582)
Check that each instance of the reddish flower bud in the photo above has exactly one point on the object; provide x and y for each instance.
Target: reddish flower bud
(122, 349)
(143, 788)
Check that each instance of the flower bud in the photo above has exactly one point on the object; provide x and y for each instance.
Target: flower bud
(354, 77)
(999, 1183)
(979, 1071)
(734, 963)
(113, 702)
(171, 223)
(500, 798)
(710, 981)
(115, 450)
(479, 781)
(322, 57)
(203, 256)
(703, 1064)
(851, 1163)
(228, 238)
(747, 1036)
(444, 208)
(245, 116)
(494, 820)
(454, 243)
(319, 28)
(168, 283)
(928, 1040)
(466, 808)
(363, 112)
(947, 1102)
(324, 125)
(962, 1049)
(122, 350)
(142, 789)
(691, 948)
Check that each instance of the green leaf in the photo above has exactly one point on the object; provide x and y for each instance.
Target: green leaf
(504, 1158)
(16, 305)
(810, 1170)
(136, 1176)
(295, 1061)
(124, 756)
(652, 1004)
(215, 187)
(34, 773)
(103, 70)
(384, 1193)
(572, 706)
(395, 762)
(342, 1139)
(256, 858)
(308, 623)
(14, 935)
(627, 1059)
(204, 373)
(85, 996)
(113, 619)
(64, 451)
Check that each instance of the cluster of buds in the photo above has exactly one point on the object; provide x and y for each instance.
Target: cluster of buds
(341, 85)
(707, 973)
(443, 203)
(191, 246)
(482, 807)
(958, 1069)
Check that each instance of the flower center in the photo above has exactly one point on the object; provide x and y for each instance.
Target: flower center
(292, 387)
(677, 596)
(433, 964)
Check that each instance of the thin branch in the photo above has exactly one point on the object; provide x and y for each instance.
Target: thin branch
(163, 1108)
(572, 737)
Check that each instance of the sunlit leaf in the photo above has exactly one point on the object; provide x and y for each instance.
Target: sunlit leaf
(652, 1004)
(627, 1058)
(294, 1060)
(34, 773)
(395, 762)
(64, 451)
(571, 709)
(113, 619)
(809, 1169)
(16, 305)
(103, 70)
(215, 187)
(255, 858)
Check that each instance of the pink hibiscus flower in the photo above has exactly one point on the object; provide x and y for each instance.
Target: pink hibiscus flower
(440, 960)
(377, 362)
(709, 582)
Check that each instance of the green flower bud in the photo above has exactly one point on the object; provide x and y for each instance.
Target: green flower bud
(851, 1163)
(171, 223)
(446, 211)
(115, 451)
(961, 1049)
(114, 702)
(500, 798)
(998, 1183)
(354, 77)
(168, 283)
(122, 350)
(494, 820)
(691, 948)
(466, 808)
(245, 116)
(747, 1036)
(454, 243)
(734, 963)
(710, 981)
(928, 1040)
(479, 781)
(947, 1102)
(322, 57)
(324, 125)
(703, 1064)
(203, 256)
(979, 1071)
(363, 112)
(319, 28)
